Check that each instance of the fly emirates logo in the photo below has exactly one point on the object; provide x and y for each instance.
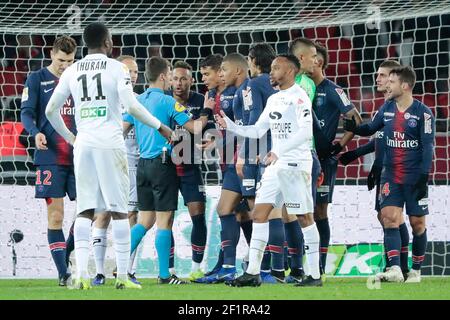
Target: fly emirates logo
(400, 142)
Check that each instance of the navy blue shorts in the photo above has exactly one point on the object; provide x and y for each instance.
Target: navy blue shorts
(231, 180)
(400, 195)
(55, 181)
(192, 187)
(325, 191)
(251, 178)
(316, 169)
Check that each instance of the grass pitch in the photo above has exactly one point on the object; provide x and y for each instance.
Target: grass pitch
(431, 288)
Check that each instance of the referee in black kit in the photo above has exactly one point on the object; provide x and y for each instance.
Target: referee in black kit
(157, 181)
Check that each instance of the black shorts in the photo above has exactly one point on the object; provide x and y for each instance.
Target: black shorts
(157, 185)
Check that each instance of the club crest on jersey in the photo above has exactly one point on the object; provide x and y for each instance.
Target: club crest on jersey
(179, 107)
(385, 190)
(412, 123)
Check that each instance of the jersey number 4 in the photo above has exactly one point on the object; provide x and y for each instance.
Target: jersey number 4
(98, 78)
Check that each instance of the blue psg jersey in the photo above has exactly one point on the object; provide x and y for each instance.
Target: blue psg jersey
(408, 140)
(330, 102)
(36, 94)
(258, 91)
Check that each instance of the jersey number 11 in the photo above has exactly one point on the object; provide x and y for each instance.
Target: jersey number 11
(85, 96)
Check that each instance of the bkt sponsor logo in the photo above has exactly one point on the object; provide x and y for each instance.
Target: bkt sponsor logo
(93, 112)
(400, 142)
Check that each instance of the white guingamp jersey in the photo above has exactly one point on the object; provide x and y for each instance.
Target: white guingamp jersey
(94, 83)
(288, 116)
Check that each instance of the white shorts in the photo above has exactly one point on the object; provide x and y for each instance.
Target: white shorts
(101, 177)
(132, 202)
(286, 185)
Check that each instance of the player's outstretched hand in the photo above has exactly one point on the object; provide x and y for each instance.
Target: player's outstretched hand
(220, 119)
(166, 132)
(421, 186)
(348, 157)
(350, 124)
(374, 176)
(270, 158)
(41, 141)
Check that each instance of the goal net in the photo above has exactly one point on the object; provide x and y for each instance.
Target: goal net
(359, 36)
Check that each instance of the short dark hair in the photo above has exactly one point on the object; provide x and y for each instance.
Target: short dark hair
(291, 58)
(65, 44)
(155, 66)
(263, 53)
(125, 57)
(214, 61)
(390, 64)
(237, 58)
(183, 65)
(405, 74)
(322, 51)
(299, 42)
(95, 34)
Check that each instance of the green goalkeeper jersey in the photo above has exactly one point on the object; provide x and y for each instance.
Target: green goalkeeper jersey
(307, 84)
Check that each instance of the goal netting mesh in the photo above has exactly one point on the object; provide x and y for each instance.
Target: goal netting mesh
(359, 36)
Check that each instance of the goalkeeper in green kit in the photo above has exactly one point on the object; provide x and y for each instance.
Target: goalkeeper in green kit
(305, 50)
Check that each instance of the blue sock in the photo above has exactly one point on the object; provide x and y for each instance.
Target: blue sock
(70, 244)
(393, 245)
(265, 263)
(247, 227)
(276, 242)
(162, 243)
(404, 236)
(137, 232)
(198, 237)
(172, 252)
(230, 232)
(324, 232)
(57, 245)
(419, 246)
(294, 237)
(286, 256)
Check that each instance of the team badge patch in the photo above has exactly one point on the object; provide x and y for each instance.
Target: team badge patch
(343, 97)
(427, 126)
(25, 94)
(385, 190)
(179, 107)
(412, 123)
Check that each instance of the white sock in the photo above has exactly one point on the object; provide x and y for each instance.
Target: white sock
(121, 238)
(195, 266)
(99, 245)
(82, 233)
(131, 266)
(260, 236)
(311, 236)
